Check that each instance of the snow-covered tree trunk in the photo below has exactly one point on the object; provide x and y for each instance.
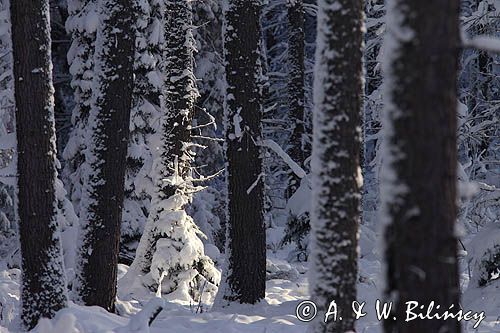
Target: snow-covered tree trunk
(171, 157)
(43, 290)
(180, 88)
(418, 176)
(170, 250)
(296, 92)
(105, 155)
(335, 165)
(82, 23)
(246, 238)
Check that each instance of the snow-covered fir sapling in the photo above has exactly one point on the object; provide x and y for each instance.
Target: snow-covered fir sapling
(170, 255)
(298, 222)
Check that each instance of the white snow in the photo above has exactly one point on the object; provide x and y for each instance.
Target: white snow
(484, 43)
(286, 158)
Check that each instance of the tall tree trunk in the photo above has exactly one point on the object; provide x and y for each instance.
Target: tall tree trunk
(105, 156)
(418, 178)
(336, 172)
(43, 290)
(181, 92)
(296, 92)
(246, 243)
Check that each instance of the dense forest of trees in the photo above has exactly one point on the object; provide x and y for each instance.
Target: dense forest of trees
(159, 158)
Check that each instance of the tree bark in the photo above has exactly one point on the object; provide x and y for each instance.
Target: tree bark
(105, 156)
(43, 289)
(181, 89)
(246, 231)
(418, 177)
(296, 92)
(335, 211)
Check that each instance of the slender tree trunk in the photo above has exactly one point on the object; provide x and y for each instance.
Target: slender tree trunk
(418, 178)
(105, 156)
(43, 290)
(296, 92)
(246, 244)
(336, 178)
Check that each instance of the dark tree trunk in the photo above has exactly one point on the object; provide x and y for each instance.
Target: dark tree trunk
(106, 154)
(181, 90)
(418, 179)
(296, 92)
(335, 212)
(246, 231)
(43, 290)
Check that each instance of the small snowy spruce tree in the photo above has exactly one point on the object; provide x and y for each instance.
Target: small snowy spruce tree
(105, 155)
(43, 289)
(246, 237)
(170, 253)
(419, 160)
(335, 165)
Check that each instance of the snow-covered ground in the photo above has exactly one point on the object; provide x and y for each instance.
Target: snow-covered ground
(287, 286)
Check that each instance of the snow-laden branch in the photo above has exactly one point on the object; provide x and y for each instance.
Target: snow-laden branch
(141, 321)
(207, 178)
(297, 169)
(483, 43)
(255, 183)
